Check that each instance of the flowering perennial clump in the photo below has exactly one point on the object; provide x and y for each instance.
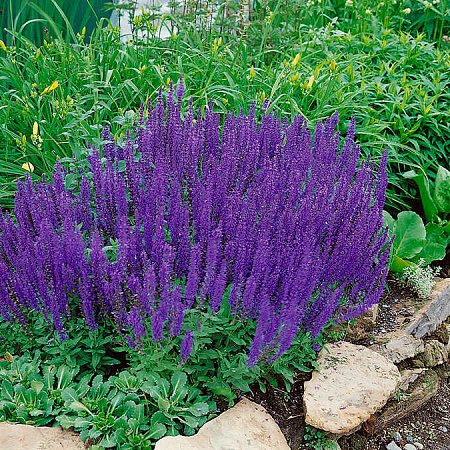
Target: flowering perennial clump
(288, 226)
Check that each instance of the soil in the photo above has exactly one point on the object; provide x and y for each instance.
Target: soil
(396, 306)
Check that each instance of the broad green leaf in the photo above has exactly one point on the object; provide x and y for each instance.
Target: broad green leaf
(109, 441)
(163, 404)
(69, 395)
(410, 235)
(398, 264)
(178, 380)
(431, 252)
(429, 207)
(65, 421)
(156, 431)
(441, 193)
(199, 409)
(435, 234)
(37, 386)
(78, 406)
(82, 422)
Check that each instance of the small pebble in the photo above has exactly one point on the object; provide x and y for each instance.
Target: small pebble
(409, 439)
(397, 437)
(410, 447)
(418, 445)
(443, 429)
(393, 446)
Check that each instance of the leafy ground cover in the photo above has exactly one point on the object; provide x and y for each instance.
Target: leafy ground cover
(147, 275)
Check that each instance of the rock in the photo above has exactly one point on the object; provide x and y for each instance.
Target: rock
(425, 388)
(398, 346)
(393, 446)
(442, 334)
(397, 437)
(448, 343)
(245, 426)
(409, 439)
(418, 363)
(435, 353)
(418, 445)
(352, 384)
(437, 309)
(409, 376)
(27, 437)
(410, 447)
(443, 429)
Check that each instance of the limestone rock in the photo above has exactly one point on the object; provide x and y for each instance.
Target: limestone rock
(26, 437)
(412, 400)
(398, 346)
(437, 309)
(435, 353)
(409, 376)
(353, 383)
(245, 426)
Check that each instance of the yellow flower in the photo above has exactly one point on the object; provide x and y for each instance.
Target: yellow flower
(407, 11)
(310, 82)
(28, 166)
(54, 85)
(3, 46)
(252, 73)
(50, 88)
(295, 77)
(83, 31)
(24, 139)
(296, 60)
(333, 65)
(34, 85)
(35, 129)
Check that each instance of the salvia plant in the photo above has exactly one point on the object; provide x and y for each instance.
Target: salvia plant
(287, 224)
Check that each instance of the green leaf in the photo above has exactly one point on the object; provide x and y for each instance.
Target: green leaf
(71, 181)
(221, 388)
(109, 441)
(178, 380)
(410, 235)
(199, 409)
(82, 422)
(435, 234)
(37, 386)
(69, 395)
(78, 406)
(156, 431)
(163, 404)
(429, 207)
(431, 252)
(7, 390)
(398, 264)
(441, 193)
(65, 421)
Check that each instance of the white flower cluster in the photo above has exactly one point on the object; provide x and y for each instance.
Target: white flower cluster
(420, 279)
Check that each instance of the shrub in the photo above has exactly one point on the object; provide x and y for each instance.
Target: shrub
(290, 226)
